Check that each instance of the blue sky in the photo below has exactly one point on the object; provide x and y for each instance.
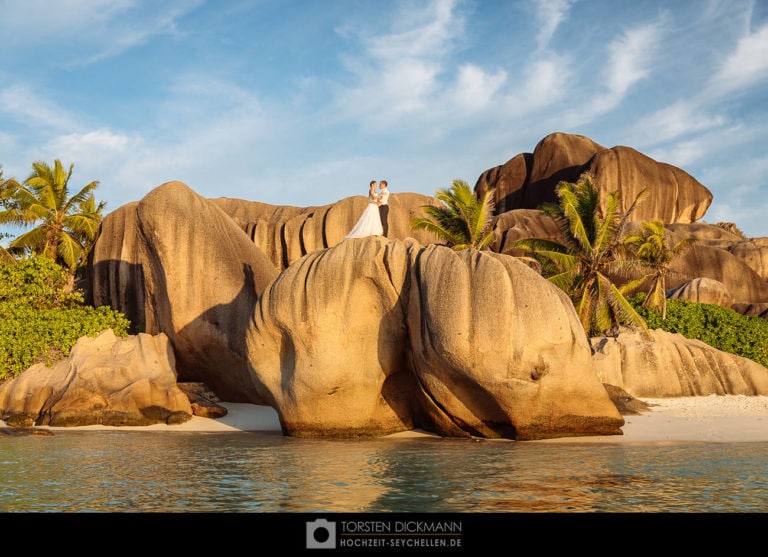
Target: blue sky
(303, 102)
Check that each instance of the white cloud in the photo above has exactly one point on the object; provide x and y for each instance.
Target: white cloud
(30, 109)
(428, 33)
(681, 118)
(397, 75)
(43, 20)
(747, 65)
(93, 145)
(630, 58)
(475, 88)
(545, 83)
(549, 15)
(98, 28)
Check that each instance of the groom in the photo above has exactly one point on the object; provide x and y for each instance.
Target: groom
(384, 206)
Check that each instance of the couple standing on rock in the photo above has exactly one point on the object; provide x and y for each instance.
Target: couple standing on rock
(373, 221)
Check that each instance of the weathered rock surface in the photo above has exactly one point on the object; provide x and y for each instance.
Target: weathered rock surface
(711, 235)
(674, 366)
(626, 404)
(369, 336)
(753, 252)
(204, 401)
(673, 195)
(703, 291)
(286, 234)
(752, 310)
(527, 180)
(738, 278)
(519, 224)
(176, 264)
(106, 380)
(115, 274)
(374, 336)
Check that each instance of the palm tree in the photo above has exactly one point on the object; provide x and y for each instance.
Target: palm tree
(650, 246)
(463, 220)
(64, 225)
(8, 187)
(590, 253)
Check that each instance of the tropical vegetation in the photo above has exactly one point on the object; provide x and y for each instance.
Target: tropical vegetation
(41, 315)
(63, 225)
(650, 246)
(41, 318)
(719, 327)
(7, 187)
(462, 221)
(589, 253)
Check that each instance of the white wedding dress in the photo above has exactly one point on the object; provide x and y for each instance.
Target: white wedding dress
(369, 223)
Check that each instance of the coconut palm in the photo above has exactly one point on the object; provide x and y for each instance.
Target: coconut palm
(7, 188)
(63, 225)
(651, 247)
(590, 253)
(462, 221)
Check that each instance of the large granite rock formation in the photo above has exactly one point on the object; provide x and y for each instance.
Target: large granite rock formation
(285, 234)
(176, 264)
(105, 381)
(270, 304)
(374, 336)
(674, 366)
(528, 180)
(704, 261)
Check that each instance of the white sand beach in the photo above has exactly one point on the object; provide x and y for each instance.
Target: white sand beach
(729, 418)
(713, 418)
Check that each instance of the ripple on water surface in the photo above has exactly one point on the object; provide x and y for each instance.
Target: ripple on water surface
(253, 472)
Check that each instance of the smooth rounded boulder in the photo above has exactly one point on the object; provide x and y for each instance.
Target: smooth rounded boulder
(105, 380)
(372, 336)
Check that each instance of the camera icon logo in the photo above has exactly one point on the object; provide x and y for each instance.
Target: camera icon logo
(321, 534)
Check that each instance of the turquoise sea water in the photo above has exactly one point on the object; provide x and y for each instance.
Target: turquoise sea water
(129, 471)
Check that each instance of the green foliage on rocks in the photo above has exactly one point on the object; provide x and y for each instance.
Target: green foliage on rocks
(719, 327)
(41, 319)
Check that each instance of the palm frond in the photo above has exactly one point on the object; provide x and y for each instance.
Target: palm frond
(80, 197)
(84, 225)
(69, 249)
(628, 314)
(462, 220)
(30, 240)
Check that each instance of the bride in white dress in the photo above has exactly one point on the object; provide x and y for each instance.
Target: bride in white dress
(369, 223)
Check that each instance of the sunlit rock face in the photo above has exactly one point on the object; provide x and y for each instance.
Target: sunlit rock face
(704, 261)
(286, 233)
(176, 264)
(106, 380)
(703, 291)
(374, 336)
(530, 179)
(754, 253)
(672, 366)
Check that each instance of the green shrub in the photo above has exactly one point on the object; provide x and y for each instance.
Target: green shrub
(719, 327)
(38, 282)
(40, 320)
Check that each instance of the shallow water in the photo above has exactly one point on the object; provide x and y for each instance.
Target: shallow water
(129, 471)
